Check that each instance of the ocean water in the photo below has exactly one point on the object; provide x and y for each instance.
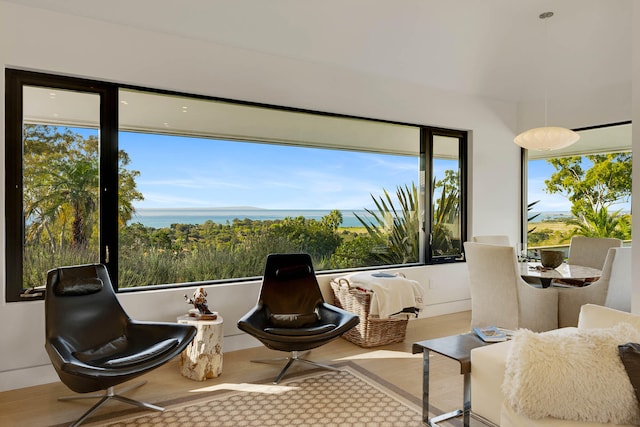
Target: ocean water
(549, 216)
(160, 218)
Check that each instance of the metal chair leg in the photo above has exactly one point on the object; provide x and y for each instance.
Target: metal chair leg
(104, 397)
(284, 370)
(294, 357)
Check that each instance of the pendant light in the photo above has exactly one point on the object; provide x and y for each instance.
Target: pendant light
(548, 137)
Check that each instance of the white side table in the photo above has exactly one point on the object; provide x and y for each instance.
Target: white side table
(202, 358)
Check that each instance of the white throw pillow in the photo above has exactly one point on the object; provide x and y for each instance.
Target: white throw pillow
(572, 376)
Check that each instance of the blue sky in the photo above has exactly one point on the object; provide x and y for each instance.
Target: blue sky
(539, 170)
(181, 172)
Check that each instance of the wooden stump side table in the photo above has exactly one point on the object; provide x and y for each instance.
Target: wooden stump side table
(202, 359)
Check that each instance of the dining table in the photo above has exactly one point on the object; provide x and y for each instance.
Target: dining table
(579, 275)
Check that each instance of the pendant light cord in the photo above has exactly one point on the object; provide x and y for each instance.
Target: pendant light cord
(544, 16)
(547, 138)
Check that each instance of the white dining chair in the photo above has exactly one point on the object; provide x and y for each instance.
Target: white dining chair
(499, 296)
(619, 292)
(588, 252)
(591, 251)
(612, 289)
(494, 239)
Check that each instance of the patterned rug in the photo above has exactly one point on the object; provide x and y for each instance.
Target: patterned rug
(351, 397)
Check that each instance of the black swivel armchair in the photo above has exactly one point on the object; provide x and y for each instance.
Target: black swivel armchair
(94, 345)
(291, 314)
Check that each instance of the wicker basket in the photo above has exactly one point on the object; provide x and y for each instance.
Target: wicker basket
(371, 331)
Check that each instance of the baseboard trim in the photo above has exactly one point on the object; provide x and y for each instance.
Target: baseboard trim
(446, 308)
(27, 377)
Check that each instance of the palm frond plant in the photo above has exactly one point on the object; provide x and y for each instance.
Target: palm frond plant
(446, 211)
(532, 217)
(395, 231)
(599, 223)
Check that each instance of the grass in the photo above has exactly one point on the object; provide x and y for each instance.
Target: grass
(549, 233)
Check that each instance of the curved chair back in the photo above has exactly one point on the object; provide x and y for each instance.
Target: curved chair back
(289, 285)
(81, 307)
(497, 239)
(591, 251)
(612, 289)
(493, 273)
(619, 290)
(572, 298)
(499, 295)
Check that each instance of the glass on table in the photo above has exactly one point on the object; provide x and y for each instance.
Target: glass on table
(521, 252)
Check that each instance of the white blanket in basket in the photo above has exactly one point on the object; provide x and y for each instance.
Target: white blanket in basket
(391, 294)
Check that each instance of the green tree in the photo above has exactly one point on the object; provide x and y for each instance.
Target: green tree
(318, 238)
(127, 188)
(61, 186)
(594, 190)
(332, 220)
(357, 252)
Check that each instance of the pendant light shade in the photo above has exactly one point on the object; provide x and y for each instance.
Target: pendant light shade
(548, 137)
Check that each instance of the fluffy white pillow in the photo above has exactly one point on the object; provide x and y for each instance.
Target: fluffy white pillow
(572, 376)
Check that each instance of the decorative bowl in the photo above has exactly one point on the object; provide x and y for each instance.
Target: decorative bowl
(551, 258)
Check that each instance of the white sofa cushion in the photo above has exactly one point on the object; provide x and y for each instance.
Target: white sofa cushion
(572, 376)
(487, 374)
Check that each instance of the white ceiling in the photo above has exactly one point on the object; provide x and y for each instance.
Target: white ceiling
(174, 115)
(491, 48)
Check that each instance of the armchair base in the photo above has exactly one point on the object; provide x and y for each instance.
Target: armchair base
(294, 357)
(106, 396)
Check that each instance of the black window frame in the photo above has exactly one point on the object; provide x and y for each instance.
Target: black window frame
(16, 79)
(428, 135)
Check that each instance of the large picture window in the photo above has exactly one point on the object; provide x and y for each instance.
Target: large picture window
(169, 189)
(584, 189)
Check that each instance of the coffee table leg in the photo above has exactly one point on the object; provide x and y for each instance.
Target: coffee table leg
(466, 399)
(465, 412)
(425, 386)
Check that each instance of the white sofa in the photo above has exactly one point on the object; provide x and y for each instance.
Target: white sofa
(488, 371)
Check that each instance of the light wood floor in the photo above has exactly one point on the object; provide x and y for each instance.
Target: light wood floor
(38, 405)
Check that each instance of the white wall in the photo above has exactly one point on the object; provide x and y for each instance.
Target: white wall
(44, 41)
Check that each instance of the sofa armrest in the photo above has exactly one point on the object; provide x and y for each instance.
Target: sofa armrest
(487, 373)
(597, 316)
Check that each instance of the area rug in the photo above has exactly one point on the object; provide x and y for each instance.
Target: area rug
(350, 397)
